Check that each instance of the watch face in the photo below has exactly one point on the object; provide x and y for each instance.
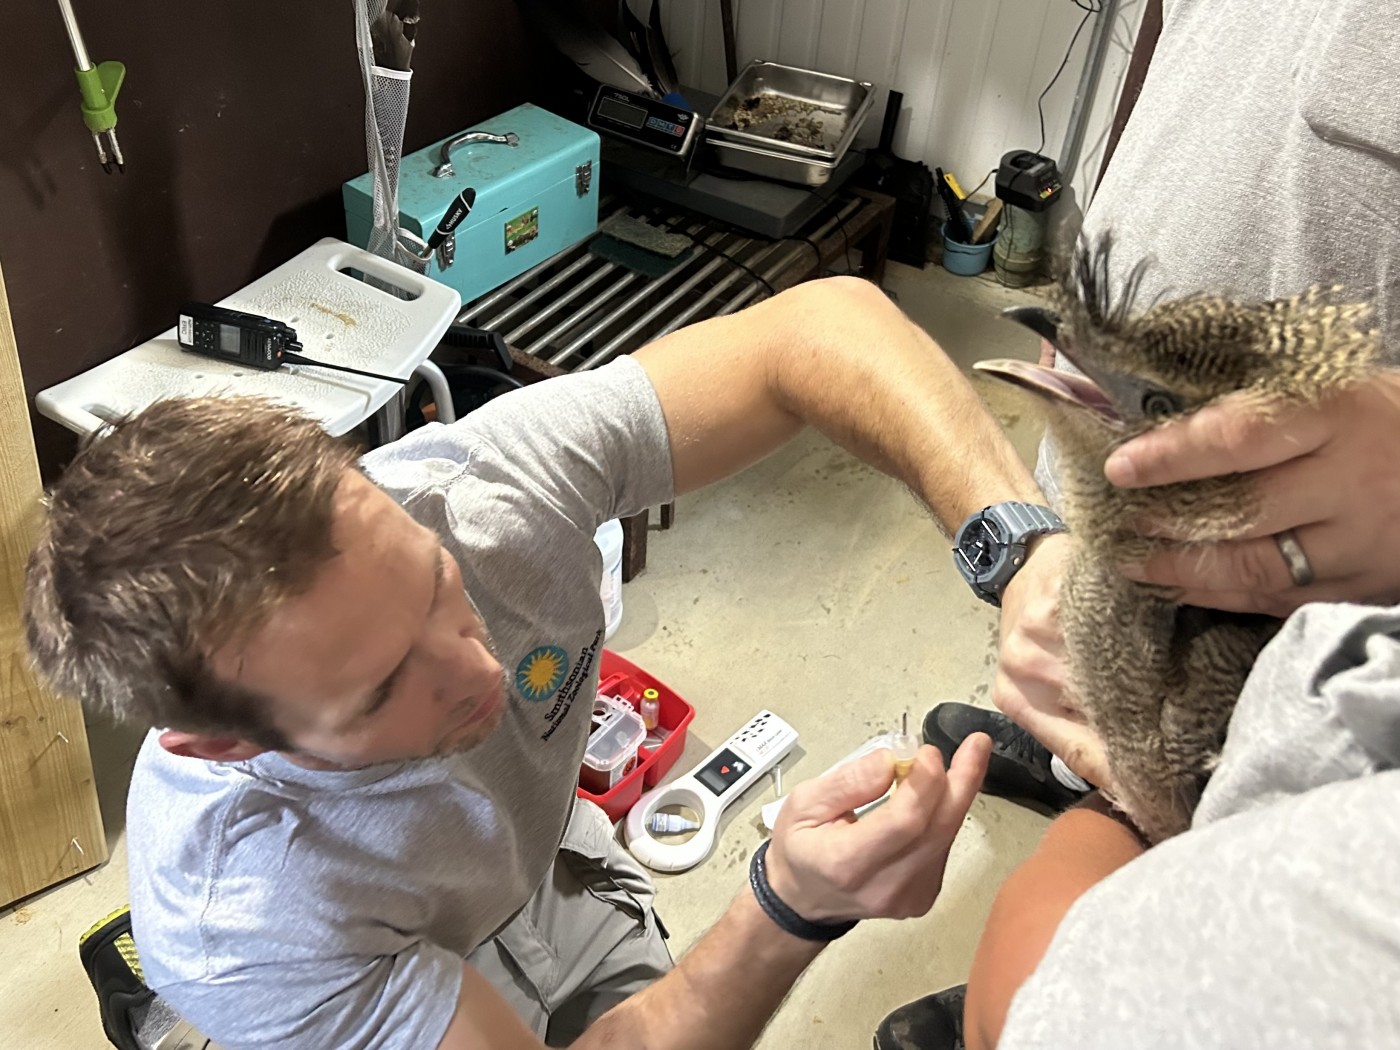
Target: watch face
(982, 545)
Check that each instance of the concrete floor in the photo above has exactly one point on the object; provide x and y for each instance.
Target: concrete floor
(810, 585)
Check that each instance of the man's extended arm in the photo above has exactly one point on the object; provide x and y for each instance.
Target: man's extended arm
(836, 355)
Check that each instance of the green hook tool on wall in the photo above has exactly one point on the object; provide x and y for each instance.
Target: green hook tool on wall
(98, 86)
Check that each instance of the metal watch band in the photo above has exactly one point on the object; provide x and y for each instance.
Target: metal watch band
(1029, 519)
(1015, 524)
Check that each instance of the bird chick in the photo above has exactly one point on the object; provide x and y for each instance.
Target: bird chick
(1156, 679)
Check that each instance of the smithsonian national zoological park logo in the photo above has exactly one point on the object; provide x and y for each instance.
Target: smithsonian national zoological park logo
(547, 671)
(541, 673)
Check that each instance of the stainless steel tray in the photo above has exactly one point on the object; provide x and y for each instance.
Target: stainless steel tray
(791, 110)
(773, 164)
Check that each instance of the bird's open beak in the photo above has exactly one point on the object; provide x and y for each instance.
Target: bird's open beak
(1044, 323)
(1066, 387)
(1080, 391)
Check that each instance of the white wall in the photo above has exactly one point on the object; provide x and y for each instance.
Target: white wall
(970, 70)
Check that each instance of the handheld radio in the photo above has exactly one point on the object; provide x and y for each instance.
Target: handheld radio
(249, 339)
(236, 337)
(267, 344)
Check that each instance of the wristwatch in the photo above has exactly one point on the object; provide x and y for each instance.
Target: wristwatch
(990, 547)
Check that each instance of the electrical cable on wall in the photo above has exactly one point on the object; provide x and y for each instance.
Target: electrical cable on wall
(985, 177)
(1090, 8)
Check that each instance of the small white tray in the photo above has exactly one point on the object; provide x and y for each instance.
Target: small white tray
(338, 318)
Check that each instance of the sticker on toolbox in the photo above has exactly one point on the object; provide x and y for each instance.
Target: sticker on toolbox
(522, 229)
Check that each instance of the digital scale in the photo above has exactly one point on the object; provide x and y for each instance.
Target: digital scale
(708, 790)
(647, 122)
(634, 158)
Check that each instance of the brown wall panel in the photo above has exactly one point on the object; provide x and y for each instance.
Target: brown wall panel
(239, 123)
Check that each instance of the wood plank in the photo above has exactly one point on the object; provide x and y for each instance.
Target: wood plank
(50, 825)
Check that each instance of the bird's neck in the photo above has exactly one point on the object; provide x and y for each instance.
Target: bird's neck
(1099, 514)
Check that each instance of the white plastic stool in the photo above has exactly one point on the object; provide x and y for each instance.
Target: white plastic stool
(338, 318)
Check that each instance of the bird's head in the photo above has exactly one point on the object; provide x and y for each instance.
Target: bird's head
(1142, 369)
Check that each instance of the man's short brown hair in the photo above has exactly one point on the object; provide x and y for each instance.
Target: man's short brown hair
(172, 536)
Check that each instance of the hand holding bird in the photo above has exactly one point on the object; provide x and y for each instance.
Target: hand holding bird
(1154, 678)
(1030, 686)
(1328, 472)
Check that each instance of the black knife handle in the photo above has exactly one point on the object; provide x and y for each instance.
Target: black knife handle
(458, 210)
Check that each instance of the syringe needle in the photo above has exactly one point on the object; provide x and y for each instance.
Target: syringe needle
(906, 750)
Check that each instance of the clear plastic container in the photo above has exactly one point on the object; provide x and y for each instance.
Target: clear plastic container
(618, 731)
(619, 678)
(609, 541)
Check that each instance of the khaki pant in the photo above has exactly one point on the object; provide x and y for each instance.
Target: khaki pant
(587, 939)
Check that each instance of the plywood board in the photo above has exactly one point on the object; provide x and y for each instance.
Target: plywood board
(50, 826)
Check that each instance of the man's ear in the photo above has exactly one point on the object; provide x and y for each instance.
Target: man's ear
(209, 748)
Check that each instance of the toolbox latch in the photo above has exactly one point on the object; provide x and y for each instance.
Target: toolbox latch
(583, 178)
(447, 251)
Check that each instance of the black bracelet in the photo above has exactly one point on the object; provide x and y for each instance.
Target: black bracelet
(785, 918)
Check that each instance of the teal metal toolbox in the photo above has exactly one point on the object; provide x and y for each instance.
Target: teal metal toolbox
(536, 182)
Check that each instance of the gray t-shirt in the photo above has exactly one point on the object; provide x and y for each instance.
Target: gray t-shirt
(277, 907)
(1263, 156)
(1275, 921)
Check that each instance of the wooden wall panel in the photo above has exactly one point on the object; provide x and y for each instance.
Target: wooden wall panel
(50, 826)
(239, 123)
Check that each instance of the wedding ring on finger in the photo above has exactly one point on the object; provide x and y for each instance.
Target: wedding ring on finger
(1299, 568)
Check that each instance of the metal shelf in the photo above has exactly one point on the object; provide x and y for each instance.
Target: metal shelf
(577, 311)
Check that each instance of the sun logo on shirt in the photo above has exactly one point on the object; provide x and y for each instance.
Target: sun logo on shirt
(541, 673)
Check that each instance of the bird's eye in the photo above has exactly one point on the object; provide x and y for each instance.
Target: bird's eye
(1156, 404)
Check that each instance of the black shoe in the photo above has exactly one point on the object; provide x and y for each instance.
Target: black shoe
(934, 1022)
(1020, 765)
(108, 954)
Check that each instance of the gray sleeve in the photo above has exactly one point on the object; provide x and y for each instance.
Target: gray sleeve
(1276, 928)
(592, 444)
(1275, 921)
(1322, 705)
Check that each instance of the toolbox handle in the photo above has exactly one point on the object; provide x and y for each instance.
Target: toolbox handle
(444, 169)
